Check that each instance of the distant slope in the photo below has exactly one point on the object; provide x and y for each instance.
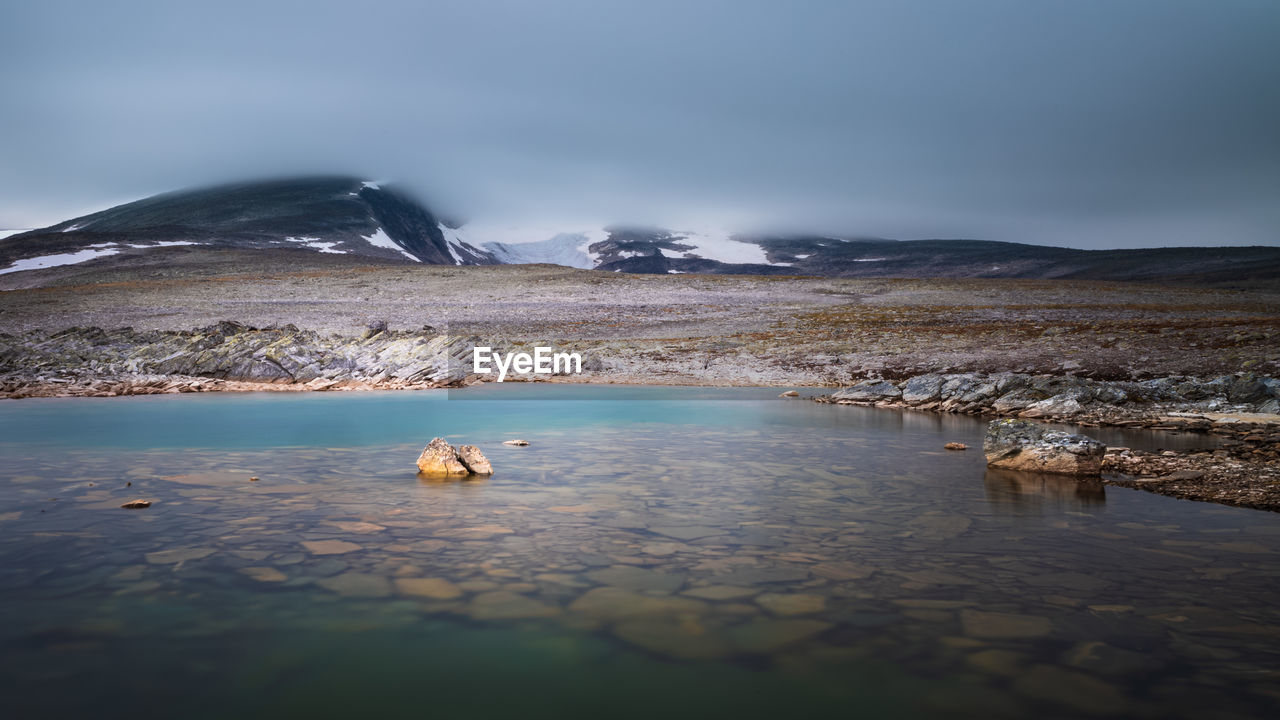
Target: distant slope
(658, 251)
(340, 215)
(980, 258)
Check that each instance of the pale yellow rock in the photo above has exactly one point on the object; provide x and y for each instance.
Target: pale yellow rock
(682, 640)
(434, 588)
(614, 603)
(329, 547)
(356, 584)
(504, 605)
(765, 636)
(177, 555)
(357, 527)
(998, 662)
(264, 574)
(475, 532)
(720, 592)
(791, 603)
(440, 460)
(478, 585)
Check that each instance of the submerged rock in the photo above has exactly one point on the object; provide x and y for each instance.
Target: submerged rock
(440, 459)
(1028, 447)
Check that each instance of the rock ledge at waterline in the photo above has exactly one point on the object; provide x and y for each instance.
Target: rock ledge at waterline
(1028, 447)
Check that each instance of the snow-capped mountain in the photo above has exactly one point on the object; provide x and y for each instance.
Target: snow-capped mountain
(333, 215)
(365, 221)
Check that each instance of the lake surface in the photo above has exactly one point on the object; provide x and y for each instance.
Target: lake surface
(654, 552)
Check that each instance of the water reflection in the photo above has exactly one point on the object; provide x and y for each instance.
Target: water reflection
(1023, 492)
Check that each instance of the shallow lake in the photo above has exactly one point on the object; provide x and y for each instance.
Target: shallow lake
(668, 552)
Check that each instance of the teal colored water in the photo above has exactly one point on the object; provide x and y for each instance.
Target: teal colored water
(678, 552)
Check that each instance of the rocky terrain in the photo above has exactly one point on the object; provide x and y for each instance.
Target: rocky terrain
(192, 319)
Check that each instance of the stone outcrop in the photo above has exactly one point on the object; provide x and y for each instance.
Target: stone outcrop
(441, 460)
(1030, 447)
(115, 360)
(1173, 402)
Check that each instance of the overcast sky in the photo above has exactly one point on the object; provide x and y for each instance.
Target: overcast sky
(1104, 123)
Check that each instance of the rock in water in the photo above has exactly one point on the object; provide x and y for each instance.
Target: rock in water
(790, 393)
(475, 460)
(517, 442)
(439, 459)
(1026, 446)
(136, 504)
(956, 446)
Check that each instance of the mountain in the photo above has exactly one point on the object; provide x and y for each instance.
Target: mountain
(361, 219)
(659, 251)
(339, 215)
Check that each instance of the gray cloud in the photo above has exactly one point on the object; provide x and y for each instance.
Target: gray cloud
(1091, 123)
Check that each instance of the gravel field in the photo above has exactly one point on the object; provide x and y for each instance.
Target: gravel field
(709, 329)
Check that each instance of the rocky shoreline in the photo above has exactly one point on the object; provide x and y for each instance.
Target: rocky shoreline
(1244, 469)
(227, 356)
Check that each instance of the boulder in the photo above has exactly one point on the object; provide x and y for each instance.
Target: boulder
(439, 459)
(1029, 447)
(475, 460)
(1248, 390)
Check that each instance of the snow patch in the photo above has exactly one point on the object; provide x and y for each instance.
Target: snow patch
(722, 248)
(452, 242)
(162, 243)
(69, 228)
(380, 239)
(326, 247)
(370, 185)
(48, 261)
(316, 243)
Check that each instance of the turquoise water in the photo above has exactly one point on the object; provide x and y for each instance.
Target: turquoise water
(675, 551)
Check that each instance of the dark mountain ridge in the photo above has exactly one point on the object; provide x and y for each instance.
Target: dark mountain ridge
(323, 214)
(365, 221)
